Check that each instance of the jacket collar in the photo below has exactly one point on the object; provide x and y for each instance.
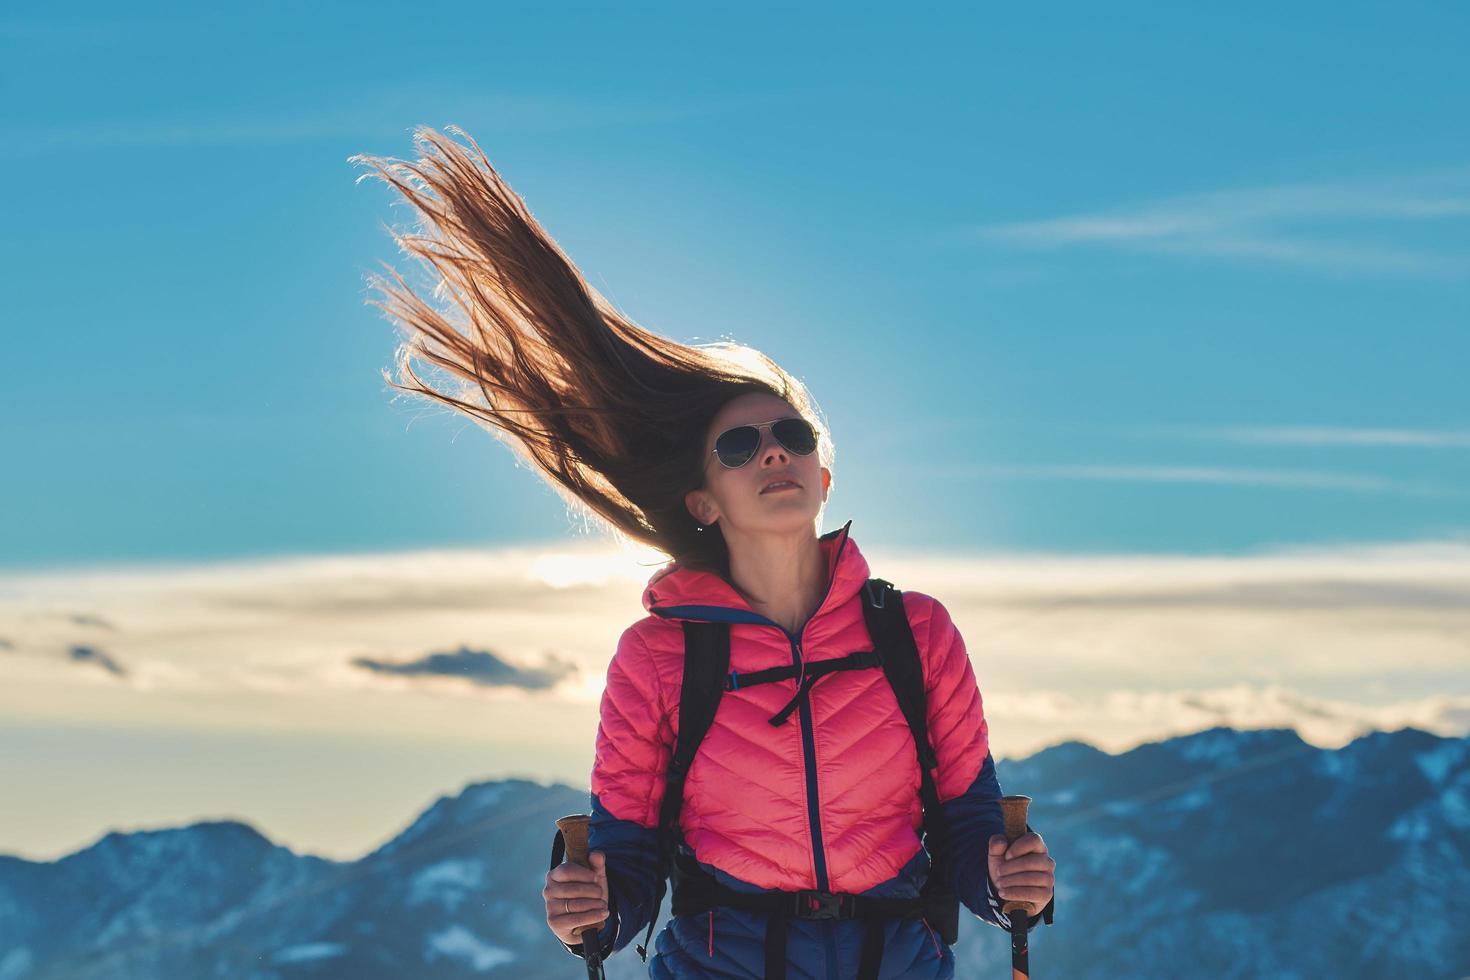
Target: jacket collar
(676, 592)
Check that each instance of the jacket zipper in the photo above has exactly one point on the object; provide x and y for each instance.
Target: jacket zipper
(809, 741)
(813, 807)
(809, 749)
(809, 752)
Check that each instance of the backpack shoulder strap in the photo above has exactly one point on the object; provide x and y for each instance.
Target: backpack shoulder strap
(706, 666)
(893, 638)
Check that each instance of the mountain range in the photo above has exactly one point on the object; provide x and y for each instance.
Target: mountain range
(1223, 853)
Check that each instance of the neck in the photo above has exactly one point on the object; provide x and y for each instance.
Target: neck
(782, 577)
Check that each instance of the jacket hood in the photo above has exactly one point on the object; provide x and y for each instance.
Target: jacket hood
(676, 592)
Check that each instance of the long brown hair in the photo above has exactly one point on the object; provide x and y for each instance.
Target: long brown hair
(611, 415)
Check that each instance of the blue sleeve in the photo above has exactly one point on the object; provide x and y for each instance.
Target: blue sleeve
(972, 819)
(633, 892)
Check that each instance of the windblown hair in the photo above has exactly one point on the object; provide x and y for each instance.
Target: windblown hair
(613, 416)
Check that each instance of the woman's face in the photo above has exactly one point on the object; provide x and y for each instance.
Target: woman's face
(736, 498)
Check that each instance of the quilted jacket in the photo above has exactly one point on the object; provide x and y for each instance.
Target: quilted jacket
(828, 801)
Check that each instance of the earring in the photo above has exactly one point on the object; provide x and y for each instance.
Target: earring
(699, 527)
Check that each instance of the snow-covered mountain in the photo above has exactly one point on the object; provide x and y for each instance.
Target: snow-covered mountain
(1219, 854)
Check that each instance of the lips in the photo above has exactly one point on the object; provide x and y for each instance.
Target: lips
(786, 484)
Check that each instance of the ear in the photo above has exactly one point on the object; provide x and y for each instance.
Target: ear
(701, 507)
(826, 482)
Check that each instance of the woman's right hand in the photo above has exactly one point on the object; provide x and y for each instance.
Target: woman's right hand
(576, 897)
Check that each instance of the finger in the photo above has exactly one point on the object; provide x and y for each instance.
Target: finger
(578, 920)
(578, 907)
(1028, 894)
(1027, 862)
(1024, 880)
(997, 844)
(568, 926)
(568, 871)
(599, 869)
(1025, 844)
(571, 890)
(1035, 897)
(1021, 845)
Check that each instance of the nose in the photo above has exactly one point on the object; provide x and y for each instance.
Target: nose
(770, 444)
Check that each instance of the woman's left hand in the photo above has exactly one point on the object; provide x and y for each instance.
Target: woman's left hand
(1022, 869)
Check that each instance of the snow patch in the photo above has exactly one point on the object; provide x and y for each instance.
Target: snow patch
(1456, 804)
(1436, 764)
(447, 882)
(487, 796)
(1221, 747)
(305, 952)
(1336, 765)
(459, 943)
(1413, 826)
(1193, 800)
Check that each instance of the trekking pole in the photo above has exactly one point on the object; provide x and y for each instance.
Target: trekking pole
(574, 832)
(1013, 808)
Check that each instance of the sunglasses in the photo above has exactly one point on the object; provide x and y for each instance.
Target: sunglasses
(735, 447)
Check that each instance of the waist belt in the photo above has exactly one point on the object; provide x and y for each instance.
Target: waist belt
(696, 891)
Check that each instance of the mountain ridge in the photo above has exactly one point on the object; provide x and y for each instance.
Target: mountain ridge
(1242, 852)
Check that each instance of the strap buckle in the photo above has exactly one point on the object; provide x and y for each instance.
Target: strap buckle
(823, 905)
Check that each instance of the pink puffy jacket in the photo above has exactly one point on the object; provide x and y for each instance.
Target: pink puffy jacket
(828, 801)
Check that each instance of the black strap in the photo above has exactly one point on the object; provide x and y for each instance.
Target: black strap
(815, 672)
(893, 637)
(872, 957)
(735, 680)
(697, 891)
(778, 928)
(706, 666)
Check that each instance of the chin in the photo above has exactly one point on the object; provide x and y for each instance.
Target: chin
(782, 519)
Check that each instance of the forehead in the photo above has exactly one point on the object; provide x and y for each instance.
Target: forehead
(755, 406)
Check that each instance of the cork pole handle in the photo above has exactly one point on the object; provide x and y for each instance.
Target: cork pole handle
(574, 835)
(1013, 809)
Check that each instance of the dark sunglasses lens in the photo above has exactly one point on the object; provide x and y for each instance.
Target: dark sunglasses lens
(736, 446)
(796, 435)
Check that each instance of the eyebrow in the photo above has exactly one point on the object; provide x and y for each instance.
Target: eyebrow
(779, 418)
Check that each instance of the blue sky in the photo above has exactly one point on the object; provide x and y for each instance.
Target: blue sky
(1142, 332)
(1158, 278)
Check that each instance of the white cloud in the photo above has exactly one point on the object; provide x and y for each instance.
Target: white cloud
(216, 644)
(244, 667)
(1320, 435)
(1261, 223)
(1285, 479)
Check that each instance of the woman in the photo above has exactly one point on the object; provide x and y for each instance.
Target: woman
(721, 460)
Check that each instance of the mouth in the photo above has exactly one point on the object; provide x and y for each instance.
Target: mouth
(781, 485)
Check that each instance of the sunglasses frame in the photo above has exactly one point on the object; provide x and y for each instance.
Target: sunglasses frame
(816, 437)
